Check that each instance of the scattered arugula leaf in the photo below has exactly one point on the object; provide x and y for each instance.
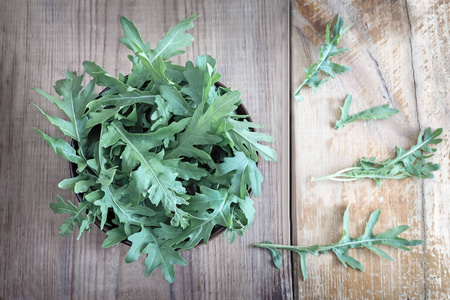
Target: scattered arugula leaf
(163, 150)
(407, 163)
(340, 249)
(377, 112)
(325, 53)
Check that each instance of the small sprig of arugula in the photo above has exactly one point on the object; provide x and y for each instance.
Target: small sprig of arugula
(326, 51)
(163, 150)
(368, 240)
(407, 164)
(374, 113)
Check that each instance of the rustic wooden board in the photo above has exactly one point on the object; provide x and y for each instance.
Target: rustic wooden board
(40, 40)
(399, 54)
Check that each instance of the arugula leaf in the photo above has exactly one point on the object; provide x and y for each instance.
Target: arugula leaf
(156, 68)
(197, 131)
(73, 102)
(110, 197)
(340, 249)
(407, 163)
(377, 112)
(176, 103)
(153, 178)
(174, 40)
(247, 140)
(63, 149)
(169, 46)
(103, 78)
(324, 64)
(245, 174)
(146, 243)
(79, 184)
(114, 236)
(60, 207)
(132, 36)
(201, 78)
(209, 208)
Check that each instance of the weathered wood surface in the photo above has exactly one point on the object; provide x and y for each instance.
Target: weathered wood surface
(39, 41)
(398, 54)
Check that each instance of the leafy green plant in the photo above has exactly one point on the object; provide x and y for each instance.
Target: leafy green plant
(163, 150)
(368, 240)
(407, 163)
(377, 112)
(324, 64)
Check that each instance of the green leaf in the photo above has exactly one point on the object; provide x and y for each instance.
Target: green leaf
(103, 78)
(198, 130)
(246, 206)
(245, 174)
(174, 40)
(176, 103)
(164, 257)
(132, 36)
(201, 78)
(63, 149)
(69, 183)
(144, 242)
(114, 236)
(106, 171)
(377, 112)
(122, 100)
(155, 67)
(149, 140)
(303, 265)
(247, 140)
(276, 255)
(73, 104)
(187, 170)
(407, 163)
(340, 249)
(60, 207)
(153, 178)
(210, 208)
(325, 53)
(128, 215)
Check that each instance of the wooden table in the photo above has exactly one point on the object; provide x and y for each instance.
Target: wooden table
(398, 54)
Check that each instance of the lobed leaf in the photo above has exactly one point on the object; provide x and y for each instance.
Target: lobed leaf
(202, 123)
(60, 207)
(408, 163)
(374, 113)
(367, 240)
(324, 64)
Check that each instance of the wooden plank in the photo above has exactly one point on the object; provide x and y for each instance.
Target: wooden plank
(386, 56)
(40, 40)
(429, 40)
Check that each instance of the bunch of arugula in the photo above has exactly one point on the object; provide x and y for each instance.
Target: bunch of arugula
(163, 149)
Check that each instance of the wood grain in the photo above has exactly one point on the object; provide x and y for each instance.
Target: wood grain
(398, 55)
(40, 40)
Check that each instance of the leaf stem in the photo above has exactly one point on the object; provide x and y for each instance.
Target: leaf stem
(337, 174)
(324, 248)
